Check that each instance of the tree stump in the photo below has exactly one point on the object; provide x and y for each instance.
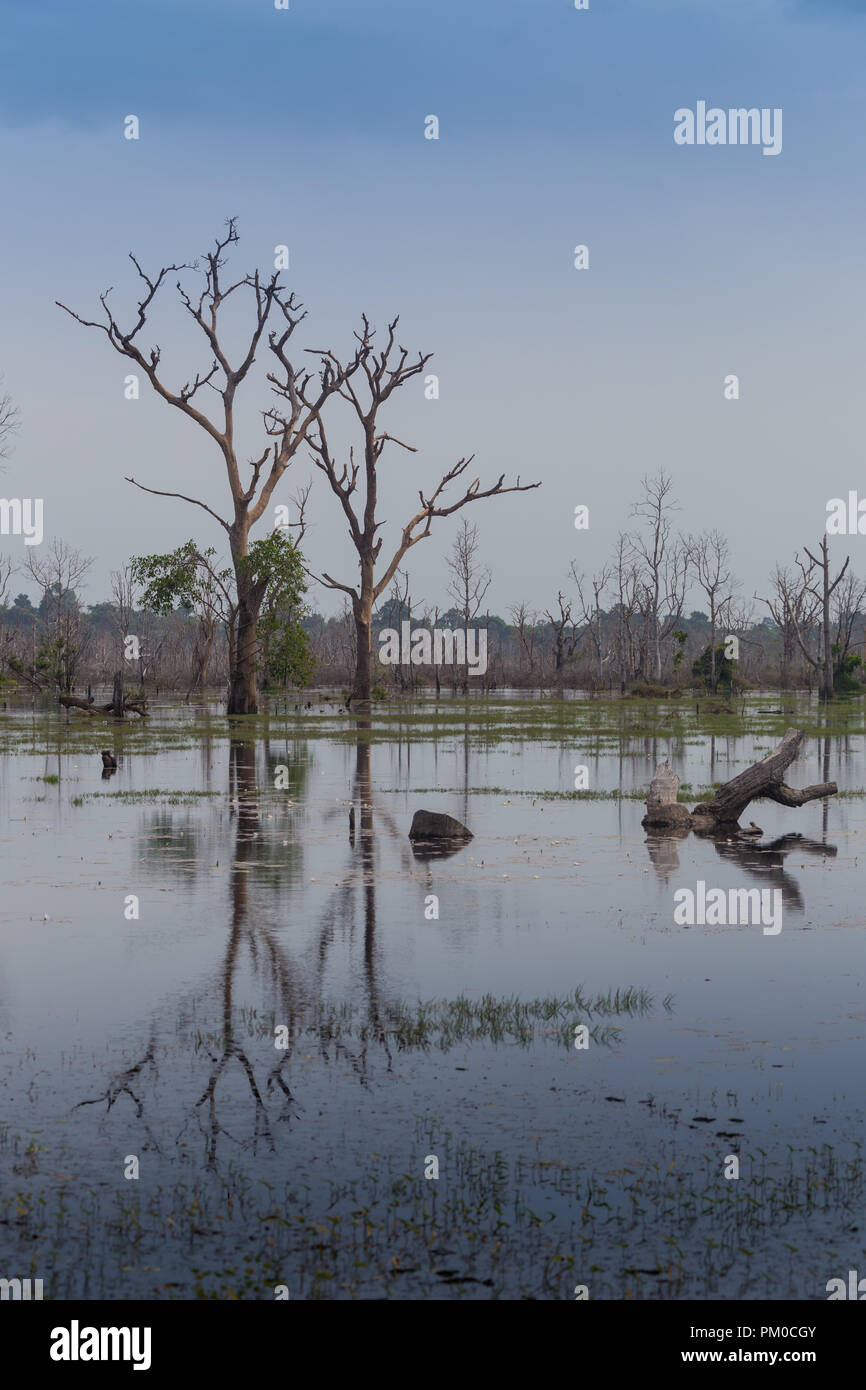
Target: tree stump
(662, 807)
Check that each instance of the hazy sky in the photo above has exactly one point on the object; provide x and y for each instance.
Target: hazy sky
(556, 128)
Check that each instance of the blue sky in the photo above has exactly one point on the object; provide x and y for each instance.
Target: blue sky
(556, 128)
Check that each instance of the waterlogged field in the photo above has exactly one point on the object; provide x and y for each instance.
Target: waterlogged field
(163, 929)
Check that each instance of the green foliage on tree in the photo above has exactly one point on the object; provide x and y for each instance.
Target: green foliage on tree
(726, 668)
(277, 563)
(844, 681)
(681, 639)
(183, 578)
(190, 579)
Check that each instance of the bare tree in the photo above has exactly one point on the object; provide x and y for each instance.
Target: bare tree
(824, 661)
(367, 391)
(566, 636)
(791, 607)
(59, 570)
(847, 604)
(739, 618)
(469, 580)
(286, 424)
(663, 561)
(7, 633)
(526, 626)
(123, 592)
(590, 611)
(401, 603)
(9, 421)
(627, 587)
(709, 556)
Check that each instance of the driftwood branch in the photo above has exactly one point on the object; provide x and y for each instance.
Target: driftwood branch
(763, 779)
(129, 705)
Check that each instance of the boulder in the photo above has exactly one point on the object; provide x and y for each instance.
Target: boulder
(433, 825)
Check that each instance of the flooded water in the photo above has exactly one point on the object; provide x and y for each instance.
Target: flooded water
(284, 1031)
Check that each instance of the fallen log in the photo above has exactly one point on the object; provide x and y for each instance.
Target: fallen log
(72, 702)
(134, 706)
(762, 779)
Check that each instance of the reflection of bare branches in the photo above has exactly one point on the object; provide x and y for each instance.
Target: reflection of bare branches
(341, 908)
(262, 1127)
(767, 862)
(291, 1106)
(253, 939)
(246, 930)
(764, 862)
(121, 1084)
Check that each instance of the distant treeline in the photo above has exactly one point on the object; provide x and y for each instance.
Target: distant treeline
(62, 645)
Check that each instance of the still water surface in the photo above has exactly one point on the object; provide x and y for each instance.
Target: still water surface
(152, 1037)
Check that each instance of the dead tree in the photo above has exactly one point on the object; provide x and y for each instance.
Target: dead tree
(400, 610)
(709, 557)
(591, 612)
(124, 594)
(367, 391)
(847, 603)
(824, 661)
(627, 587)
(9, 421)
(59, 570)
(469, 582)
(763, 779)
(566, 637)
(792, 608)
(286, 423)
(526, 628)
(662, 561)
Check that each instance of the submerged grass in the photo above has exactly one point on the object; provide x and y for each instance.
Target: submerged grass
(447, 1023)
(686, 793)
(598, 722)
(492, 1226)
(153, 795)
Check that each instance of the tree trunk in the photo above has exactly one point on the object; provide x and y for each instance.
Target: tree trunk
(662, 807)
(117, 695)
(243, 698)
(762, 779)
(827, 684)
(363, 654)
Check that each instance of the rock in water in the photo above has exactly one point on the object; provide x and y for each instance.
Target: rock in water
(433, 825)
(662, 807)
(108, 760)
